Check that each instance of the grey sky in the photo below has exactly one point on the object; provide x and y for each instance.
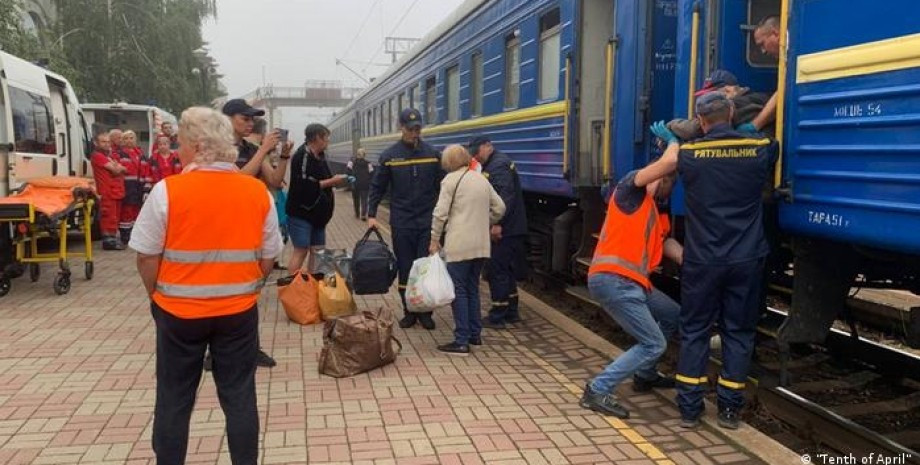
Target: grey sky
(297, 40)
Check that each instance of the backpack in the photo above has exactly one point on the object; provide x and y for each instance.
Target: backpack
(373, 266)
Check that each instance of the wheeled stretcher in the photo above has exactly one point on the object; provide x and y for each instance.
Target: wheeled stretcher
(43, 208)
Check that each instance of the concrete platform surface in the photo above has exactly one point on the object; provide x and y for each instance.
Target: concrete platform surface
(77, 387)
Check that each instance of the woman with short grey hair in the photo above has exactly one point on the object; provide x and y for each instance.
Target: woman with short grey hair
(206, 240)
(467, 207)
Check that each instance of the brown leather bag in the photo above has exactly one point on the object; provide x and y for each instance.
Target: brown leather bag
(358, 343)
(300, 298)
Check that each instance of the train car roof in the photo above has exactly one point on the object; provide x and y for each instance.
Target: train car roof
(430, 39)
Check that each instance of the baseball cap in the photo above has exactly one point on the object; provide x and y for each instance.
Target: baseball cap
(410, 118)
(717, 80)
(239, 106)
(476, 141)
(711, 102)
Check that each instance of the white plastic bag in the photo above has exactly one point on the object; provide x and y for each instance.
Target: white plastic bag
(429, 285)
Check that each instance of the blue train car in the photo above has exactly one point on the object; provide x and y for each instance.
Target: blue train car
(848, 182)
(567, 88)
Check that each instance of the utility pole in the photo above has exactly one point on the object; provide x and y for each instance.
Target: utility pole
(396, 46)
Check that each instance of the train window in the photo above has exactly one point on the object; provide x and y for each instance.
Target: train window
(416, 98)
(400, 104)
(33, 123)
(431, 109)
(369, 130)
(512, 70)
(476, 85)
(757, 11)
(549, 55)
(394, 114)
(453, 93)
(383, 118)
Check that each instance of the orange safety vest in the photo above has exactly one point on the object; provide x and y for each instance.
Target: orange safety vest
(211, 259)
(631, 245)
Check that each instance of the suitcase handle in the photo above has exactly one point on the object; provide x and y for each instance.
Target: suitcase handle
(368, 235)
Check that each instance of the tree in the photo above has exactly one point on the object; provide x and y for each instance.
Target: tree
(137, 51)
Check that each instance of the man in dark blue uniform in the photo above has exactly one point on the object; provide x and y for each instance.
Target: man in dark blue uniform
(507, 237)
(412, 168)
(724, 252)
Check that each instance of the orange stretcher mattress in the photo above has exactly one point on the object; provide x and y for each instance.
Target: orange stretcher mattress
(52, 196)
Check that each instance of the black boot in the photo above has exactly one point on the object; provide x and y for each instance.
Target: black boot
(426, 320)
(264, 360)
(729, 418)
(646, 385)
(407, 321)
(125, 234)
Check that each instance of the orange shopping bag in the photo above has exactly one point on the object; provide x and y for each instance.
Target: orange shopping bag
(300, 298)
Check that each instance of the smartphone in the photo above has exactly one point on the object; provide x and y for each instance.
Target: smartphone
(284, 135)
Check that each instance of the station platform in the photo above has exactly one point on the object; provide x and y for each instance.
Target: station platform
(77, 387)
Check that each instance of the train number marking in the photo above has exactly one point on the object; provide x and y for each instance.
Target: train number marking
(828, 219)
(858, 110)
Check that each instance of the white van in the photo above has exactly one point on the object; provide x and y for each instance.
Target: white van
(42, 132)
(144, 120)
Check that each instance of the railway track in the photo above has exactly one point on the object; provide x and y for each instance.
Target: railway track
(849, 395)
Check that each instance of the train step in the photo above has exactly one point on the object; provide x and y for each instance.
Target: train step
(581, 293)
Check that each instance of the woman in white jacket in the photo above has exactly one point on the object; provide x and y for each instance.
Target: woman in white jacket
(467, 208)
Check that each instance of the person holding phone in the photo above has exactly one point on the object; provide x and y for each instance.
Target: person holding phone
(310, 201)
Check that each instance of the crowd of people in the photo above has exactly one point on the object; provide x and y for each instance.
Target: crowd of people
(204, 264)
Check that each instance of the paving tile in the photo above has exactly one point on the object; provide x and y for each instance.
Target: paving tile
(77, 386)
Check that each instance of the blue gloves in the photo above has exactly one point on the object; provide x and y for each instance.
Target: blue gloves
(351, 179)
(660, 130)
(747, 127)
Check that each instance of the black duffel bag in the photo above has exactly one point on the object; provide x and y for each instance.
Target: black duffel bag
(373, 266)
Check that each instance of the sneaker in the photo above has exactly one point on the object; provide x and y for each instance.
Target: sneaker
(426, 321)
(112, 245)
(475, 341)
(660, 382)
(729, 418)
(264, 360)
(602, 403)
(208, 362)
(407, 321)
(455, 349)
(487, 323)
(690, 423)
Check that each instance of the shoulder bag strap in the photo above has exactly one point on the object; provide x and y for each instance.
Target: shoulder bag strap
(454, 197)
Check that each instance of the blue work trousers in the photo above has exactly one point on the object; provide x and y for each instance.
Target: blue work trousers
(466, 306)
(408, 245)
(729, 294)
(650, 317)
(502, 283)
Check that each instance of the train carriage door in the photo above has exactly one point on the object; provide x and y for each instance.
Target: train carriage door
(62, 124)
(731, 44)
(643, 80)
(594, 89)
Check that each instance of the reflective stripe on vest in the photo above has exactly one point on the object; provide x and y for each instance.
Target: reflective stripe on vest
(614, 260)
(212, 256)
(209, 290)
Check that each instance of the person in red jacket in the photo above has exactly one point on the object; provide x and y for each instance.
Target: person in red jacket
(136, 179)
(164, 162)
(110, 185)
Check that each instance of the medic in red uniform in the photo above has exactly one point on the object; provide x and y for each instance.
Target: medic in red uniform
(137, 178)
(110, 185)
(164, 162)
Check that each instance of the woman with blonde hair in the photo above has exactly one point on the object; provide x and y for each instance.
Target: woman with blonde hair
(137, 179)
(467, 208)
(206, 240)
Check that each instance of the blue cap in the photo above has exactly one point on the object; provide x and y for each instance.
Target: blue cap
(239, 106)
(476, 141)
(717, 80)
(410, 118)
(712, 102)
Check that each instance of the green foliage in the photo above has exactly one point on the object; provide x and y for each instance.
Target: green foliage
(137, 51)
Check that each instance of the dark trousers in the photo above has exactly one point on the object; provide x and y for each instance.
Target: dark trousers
(360, 198)
(729, 294)
(408, 245)
(181, 344)
(466, 307)
(502, 279)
